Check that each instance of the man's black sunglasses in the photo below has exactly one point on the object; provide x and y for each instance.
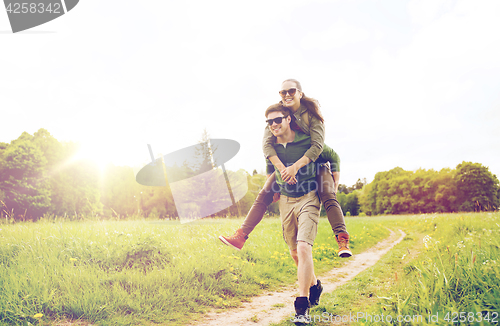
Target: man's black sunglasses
(278, 120)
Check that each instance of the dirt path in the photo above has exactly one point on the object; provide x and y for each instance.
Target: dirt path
(272, 307)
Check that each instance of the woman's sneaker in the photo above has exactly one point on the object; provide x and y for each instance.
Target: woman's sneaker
(301, 311)
(237, 240)
(314, 293)
(343, 241)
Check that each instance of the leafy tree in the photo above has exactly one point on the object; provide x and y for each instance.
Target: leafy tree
(378, 199)
(398, 191)
(342, 199)
(157, 202)
(349, 203)
(352, 203)
(79, 188)
(360, 183)
(365, 202)
(39, 175)
(75, 182)
(51, 148)
(343, 189)
(445, 193)
(477, 187)
(23, 184)
(470, 187)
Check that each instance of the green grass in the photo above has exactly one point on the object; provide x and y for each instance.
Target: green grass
(458, 271)
(149, 272)
(144, 272)
(447, 264)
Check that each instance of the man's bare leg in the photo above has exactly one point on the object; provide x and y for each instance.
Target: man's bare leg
(305, 267)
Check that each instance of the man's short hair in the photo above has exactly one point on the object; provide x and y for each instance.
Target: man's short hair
(278, 107)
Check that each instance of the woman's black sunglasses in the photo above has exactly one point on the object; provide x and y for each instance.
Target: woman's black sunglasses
(290, 91)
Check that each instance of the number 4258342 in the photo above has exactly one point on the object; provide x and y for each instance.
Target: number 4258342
(462, 317)
(33, 8)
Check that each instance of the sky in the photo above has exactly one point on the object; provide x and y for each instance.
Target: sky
(405, 83)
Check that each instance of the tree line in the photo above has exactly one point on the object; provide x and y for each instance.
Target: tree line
(40, 176)
(469, 187)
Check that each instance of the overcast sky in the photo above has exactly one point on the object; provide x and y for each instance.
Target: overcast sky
(413, 84)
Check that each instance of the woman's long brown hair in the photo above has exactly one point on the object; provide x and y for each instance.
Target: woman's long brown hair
(311, 104)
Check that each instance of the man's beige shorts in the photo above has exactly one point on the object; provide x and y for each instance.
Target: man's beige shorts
(299, 218)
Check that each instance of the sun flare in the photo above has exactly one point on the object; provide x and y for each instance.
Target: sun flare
(95, 154)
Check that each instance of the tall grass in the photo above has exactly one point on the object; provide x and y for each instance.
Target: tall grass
(456, 277)
(137, 272)
(446, 271)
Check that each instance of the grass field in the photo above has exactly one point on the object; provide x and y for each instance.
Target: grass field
(446, 271)
(148, 272)
(132, 272)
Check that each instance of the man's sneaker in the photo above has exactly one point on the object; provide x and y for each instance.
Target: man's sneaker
(302, 311)
(237, 240)
(343, 241)
(315, 293)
